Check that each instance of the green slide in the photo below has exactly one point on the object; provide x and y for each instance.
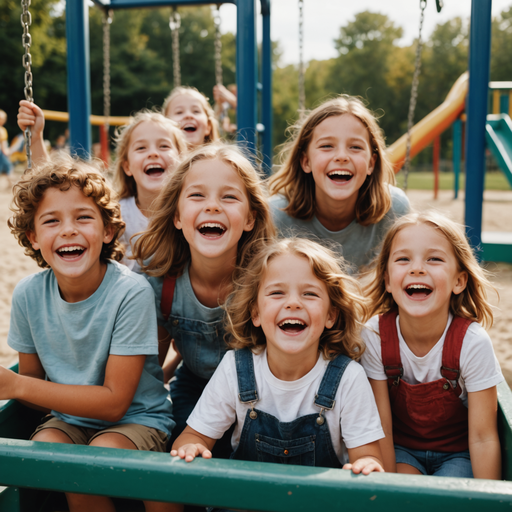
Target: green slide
(499, 141)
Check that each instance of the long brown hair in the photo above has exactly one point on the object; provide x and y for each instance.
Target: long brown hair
(344, 292)
(162, 248)
(298, 187)
(471, 303)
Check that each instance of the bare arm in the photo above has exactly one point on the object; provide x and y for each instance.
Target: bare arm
(108, 402)
(191, 444)
(381, 393)
(365, 459)
(30, 366)
(168, 357)
(484, 443)
(29, 114)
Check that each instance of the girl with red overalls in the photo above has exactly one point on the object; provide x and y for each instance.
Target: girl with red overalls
(430, 363)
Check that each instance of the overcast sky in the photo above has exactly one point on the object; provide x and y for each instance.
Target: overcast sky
(323, 19)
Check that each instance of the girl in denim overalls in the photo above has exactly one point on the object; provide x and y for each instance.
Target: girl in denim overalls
(204, 222)
(292, 387)
(430, 362)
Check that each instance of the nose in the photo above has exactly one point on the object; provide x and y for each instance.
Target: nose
(212, 205)
(341, 154)
(293, 302)
(68, 229)
(417, 267)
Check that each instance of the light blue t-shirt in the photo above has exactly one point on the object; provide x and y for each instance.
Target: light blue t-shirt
(356, 243)
(196, 329)
(74, 340)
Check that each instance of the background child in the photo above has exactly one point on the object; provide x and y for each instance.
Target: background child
(336, 181)
(194, 115)
(205, 219)
(147, 151)
(5, 162)
(84, 327)
(294, 319)
(430, 351)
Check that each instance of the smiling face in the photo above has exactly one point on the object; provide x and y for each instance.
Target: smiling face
(187, 110)
(151, 156)
(213, 210)
(69, 232)
(340, 158)
(293, 309)
(422, 273)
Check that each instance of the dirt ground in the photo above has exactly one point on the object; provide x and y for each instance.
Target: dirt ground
(497, 215)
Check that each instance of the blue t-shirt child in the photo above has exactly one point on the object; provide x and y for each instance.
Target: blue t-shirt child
(74, 340)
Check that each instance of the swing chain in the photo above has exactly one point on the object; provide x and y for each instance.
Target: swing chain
(26, 21)
(107, 20)
(414, 95)
(218, 46)
(302, 89)
(175, 24)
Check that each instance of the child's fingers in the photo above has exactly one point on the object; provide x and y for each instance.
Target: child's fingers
(190, 451)
(365, 466)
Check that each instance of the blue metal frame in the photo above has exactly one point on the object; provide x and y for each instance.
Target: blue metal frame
(457, 155)
(476, 108)
(79, 90)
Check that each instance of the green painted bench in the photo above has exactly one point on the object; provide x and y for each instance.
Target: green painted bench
(30, 470)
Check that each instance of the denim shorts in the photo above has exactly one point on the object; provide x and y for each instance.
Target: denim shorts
(455, 464)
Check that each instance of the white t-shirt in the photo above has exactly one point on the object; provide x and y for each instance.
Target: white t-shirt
(479, 368)
(135, 222)
(354, 421)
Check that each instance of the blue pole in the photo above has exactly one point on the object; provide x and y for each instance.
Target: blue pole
(246, 73)
(479, 62)
(266, 78)
(79, 86)
(457, 154)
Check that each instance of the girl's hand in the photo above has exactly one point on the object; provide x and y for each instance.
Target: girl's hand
(190, 451)
(29, 114)
(365, 465)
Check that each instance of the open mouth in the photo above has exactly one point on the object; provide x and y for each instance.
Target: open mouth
(154, 170)
(418, 290)
(292, 326)
(340, 176)
(189, 128)
(211, 229)
(70, 252)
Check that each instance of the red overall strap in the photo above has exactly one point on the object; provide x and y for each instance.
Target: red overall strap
(450, 368)
(390, 346)
(167, 295)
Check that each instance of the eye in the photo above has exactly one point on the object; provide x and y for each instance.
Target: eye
(231, 196)
(138, 148)
(402, 258)
(326, 146)
(311, 294)
(356, 146)
(86, 217)
(435, 258)
(196, 194)
(50, 221)
(276, 293)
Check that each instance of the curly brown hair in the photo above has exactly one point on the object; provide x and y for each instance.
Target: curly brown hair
(298, 187)
(63, 171)
(344, 292)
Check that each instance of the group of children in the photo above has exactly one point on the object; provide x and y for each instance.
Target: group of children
(274, 349)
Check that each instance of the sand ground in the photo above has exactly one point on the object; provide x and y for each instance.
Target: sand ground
(497, 215)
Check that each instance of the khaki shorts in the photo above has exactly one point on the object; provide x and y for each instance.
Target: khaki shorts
(144, 438)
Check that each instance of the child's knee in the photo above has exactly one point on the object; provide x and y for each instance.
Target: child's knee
(112, 440)
(52, 435)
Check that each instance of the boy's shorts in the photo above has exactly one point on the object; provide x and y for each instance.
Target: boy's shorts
(144, 438)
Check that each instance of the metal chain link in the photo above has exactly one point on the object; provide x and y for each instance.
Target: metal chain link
(218, 46)
(107, 20)
(302, 89)
(26, 39)
(175, 24)
(414, 95)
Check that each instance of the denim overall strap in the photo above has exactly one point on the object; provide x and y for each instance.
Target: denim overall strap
(167, 296)
(330, 382)
(245, 374)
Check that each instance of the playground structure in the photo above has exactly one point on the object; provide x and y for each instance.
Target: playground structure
(498, 136)
(32, 469)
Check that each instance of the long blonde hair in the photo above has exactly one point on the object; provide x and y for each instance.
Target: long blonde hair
(162, 249)
(214, 134)
(344, 293)
(124, 184)
(471, 303)
(298, 187)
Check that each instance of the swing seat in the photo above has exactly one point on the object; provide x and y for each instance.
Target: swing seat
(34, 471)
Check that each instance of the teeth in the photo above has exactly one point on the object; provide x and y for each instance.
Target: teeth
(418, 287)
(340, 173)
(298, 322)
(154, 166)
(212, 225)
(70, 248)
